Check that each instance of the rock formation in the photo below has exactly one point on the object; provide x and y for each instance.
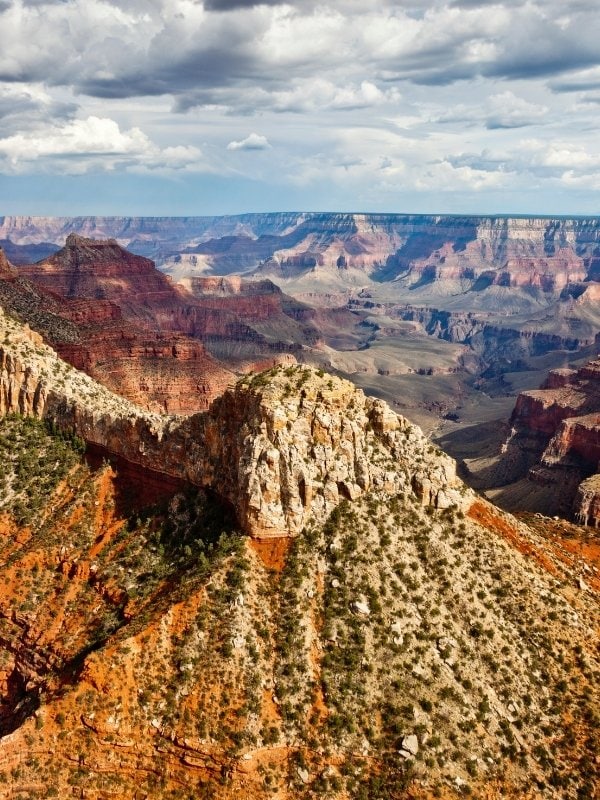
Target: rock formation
(543, 253)
(142, 336)
(280, 448)
(160, 371)
(7, 271)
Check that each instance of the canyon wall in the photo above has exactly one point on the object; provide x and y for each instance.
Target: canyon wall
(563, 418)
(543, 253)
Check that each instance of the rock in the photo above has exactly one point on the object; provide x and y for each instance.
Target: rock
(362, 607)
(303, 774)
(563, 415)
(410, 743)
(277, 477)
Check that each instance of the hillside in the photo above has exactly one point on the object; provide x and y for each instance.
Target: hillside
(395, 636)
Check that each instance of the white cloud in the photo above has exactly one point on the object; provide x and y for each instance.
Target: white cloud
(252, 142)
(92, 141)
(367, 97)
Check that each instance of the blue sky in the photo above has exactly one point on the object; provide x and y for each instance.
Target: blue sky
(182, 107)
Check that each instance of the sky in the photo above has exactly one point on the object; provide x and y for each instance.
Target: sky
(184, 107)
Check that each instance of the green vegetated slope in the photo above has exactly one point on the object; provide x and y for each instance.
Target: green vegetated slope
(391, 651)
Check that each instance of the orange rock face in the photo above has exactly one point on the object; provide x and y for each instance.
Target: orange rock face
(565, 394)
(7, 271)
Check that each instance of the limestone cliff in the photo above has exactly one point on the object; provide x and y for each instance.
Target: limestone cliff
(280, 448)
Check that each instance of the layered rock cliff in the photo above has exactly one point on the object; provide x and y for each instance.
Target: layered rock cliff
(241, 320)
(563, 419)
(160, 371)
(541, 253)
(101, 269)
(280, 447)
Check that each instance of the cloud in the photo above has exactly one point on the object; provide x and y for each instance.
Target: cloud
(361, 95)
(578, 81)
(504, 110)
(230, 5)
(306, 96)
(252, 142)
(81, 144)
(126, 49)
(28, 106)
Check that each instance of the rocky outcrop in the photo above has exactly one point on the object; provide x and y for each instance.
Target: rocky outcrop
(102, 269)
(280, 448)
(565, 394)
(6, 270)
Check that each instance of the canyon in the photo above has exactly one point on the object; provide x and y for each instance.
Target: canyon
(494, 305)
(317, 605)
(300, 595)
(116, 316)
(473, 306)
